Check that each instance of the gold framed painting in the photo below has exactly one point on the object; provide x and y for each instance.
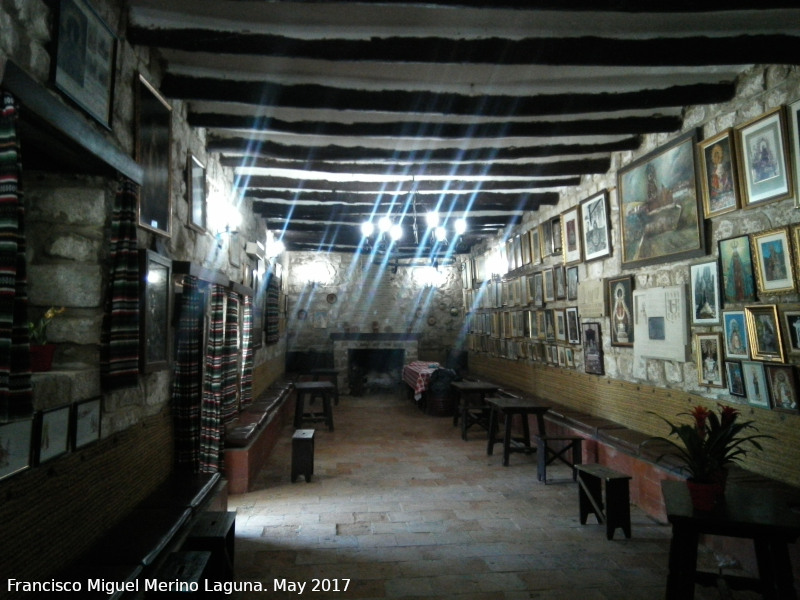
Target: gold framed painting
(772, 258)
(764, 332)
(719, 180)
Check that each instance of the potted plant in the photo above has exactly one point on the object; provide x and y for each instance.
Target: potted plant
(41, 351)
(710, 443)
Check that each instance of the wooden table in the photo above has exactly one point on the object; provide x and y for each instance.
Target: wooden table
(769, 517)
(510, 407)
(417, 374)
(470, 411)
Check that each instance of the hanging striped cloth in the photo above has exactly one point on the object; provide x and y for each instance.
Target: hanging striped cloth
(211, 429)
(120, 336)
(16, 398)
(230, 361)
(188, 371)
(246, 384)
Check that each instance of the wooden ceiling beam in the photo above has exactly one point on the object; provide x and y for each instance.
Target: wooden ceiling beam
(265, 185)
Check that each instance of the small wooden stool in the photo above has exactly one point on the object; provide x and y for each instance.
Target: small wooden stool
(547, 454)
(187, 568)
(617, 505)
(303, 454)
(314, 389)
(215, 532)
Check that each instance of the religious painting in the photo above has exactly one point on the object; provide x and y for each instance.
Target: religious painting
(557, 237)
(572, 283)
(52, 433)
(595, 227)
(764, 333)
(570, 228)
(791, 327)
(735, 328)
(705, 293)
(736, 267)
(561, 325)
(763, 155)
(660, 216)
(560, 282)
(549, 325)
(573, 329)
(592, 349)
(782, 387)
(755, 383)
(718, 180)
(620, 301)
(546, 237)
(538, 288)
(549, 286)
(772, 254)
(155, 296)
(15, 447)
(536, 246)
(794, 122)
(735, 377)
(708, 353)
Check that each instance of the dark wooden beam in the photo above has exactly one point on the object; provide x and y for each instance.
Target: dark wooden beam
(266, 93)
(392, 189)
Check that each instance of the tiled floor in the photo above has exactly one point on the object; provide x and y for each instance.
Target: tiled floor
(401, 507)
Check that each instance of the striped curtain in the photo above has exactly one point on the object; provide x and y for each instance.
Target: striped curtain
(120, 343)
(187, 379)
(230, 360)
(15, 377)
(247, 353)
(211, 429)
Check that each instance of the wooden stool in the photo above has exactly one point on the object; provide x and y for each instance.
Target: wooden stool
(323, 390)
(303, 454)
(547, 454)
(617, 505)
(215, 532)
(325, 374)
(187, 568)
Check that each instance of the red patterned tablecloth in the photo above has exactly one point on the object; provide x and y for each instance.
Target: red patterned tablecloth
(417, 374)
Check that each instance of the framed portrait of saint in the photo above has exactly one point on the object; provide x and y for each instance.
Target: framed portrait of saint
(736, 271)
(763, 154)
(719, 178)
(735, 329)
(705, 293)
(595, 227)
(620, 302)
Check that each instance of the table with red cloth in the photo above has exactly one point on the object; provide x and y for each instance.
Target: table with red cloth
(417, 374)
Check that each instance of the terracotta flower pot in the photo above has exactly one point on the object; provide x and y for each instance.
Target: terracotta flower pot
(704, 495)
(42, 357)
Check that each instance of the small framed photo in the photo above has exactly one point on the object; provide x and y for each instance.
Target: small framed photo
(560, 282)
(735, 328)
(763, 155)
(561, 325)
(719, 181)
(52, 433)
(793, 111)
(525, 242)
(562, 356)
(536, 246)
(735, 376)
(549, 286)
(755, 383)
(620, 302)
(571, 233)
(557, 247)
(782, 387)
(595, 230)
(764, 332)
(705, 293)
(573, 328)
(15, 442)
(592, 349)
(538, 288)
(541, 324)
(569, 355)
(791, 327)
(196, 192)
(549, 325)
(572, 283)
(86, 422)
(155, 297)
(708, 351)
(546, 237)
(736, 267)
(772, 253)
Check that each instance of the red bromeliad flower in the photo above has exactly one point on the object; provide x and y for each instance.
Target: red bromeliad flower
(728, 414)
(700, 414)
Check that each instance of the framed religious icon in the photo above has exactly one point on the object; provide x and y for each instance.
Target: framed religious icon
(573, 328)
(538, 288)
(735, 331)
(660, 217)
(572, 282)
(536, 246)
(546, 237)
(561, 325)
(793, 111)
(154, 322)
(559, 277)
(620, 302)
(15, 441)
(549, 285)
(763, 155)
(86, 422)
(755, 383)
(736, 268)
(782, 387)
(772, 255)
(571, 234)
(196, 192)
(549, 325)
(719, 180)
(735, 378)
(764, 332)
(525, 242)
(708, 353)
(705, 293)
(790, 317)
(52, 432)
(83, 68)
(592, 349)
(557, 238)
(595, 227)
(153, 150)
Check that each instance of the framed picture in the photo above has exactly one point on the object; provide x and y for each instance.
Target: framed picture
(153, 143)
(718, 180)
(15, 442)
(763, 155)
(573, 329)
(592, 349)
(772, 254)
(541, 324)
(735, 329)
(536, 247)
(561, 325)
(546, 237)
(659, 212)
(791, 327)
(525, 242)
(571, 234)
(549, 325)
(708, 352)
(705, 293)
(558, 239)
(660, 322)
(83, 68)
(537, 281)
(560, 282)
(52, 433)
(154, 337)
(572, 283)
(86, 422)
(549, 286)
(764, 333)
(736, 266)
(595, 230)
(569, 356)
(196, 192)
(782, 387)
(755, 383)
(562, 356)
(735, 377)
(620, 302)
(794, 125)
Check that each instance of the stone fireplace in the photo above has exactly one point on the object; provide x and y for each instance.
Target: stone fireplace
(371, 352)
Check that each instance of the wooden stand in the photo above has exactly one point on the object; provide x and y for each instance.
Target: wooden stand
(617, 505)
(215, 532)
(303, 454)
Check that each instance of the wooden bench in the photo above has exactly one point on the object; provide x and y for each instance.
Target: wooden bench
(612, 508)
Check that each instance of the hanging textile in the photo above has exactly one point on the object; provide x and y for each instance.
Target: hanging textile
(188, 371)
(120, 335)
(246, 385)
(211, 429)
(16, 399)
(230, 361)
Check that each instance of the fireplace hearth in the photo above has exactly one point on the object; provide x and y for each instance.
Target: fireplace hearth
(379, 358)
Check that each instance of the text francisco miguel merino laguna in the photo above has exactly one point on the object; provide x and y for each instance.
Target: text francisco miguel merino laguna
(150, 585)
